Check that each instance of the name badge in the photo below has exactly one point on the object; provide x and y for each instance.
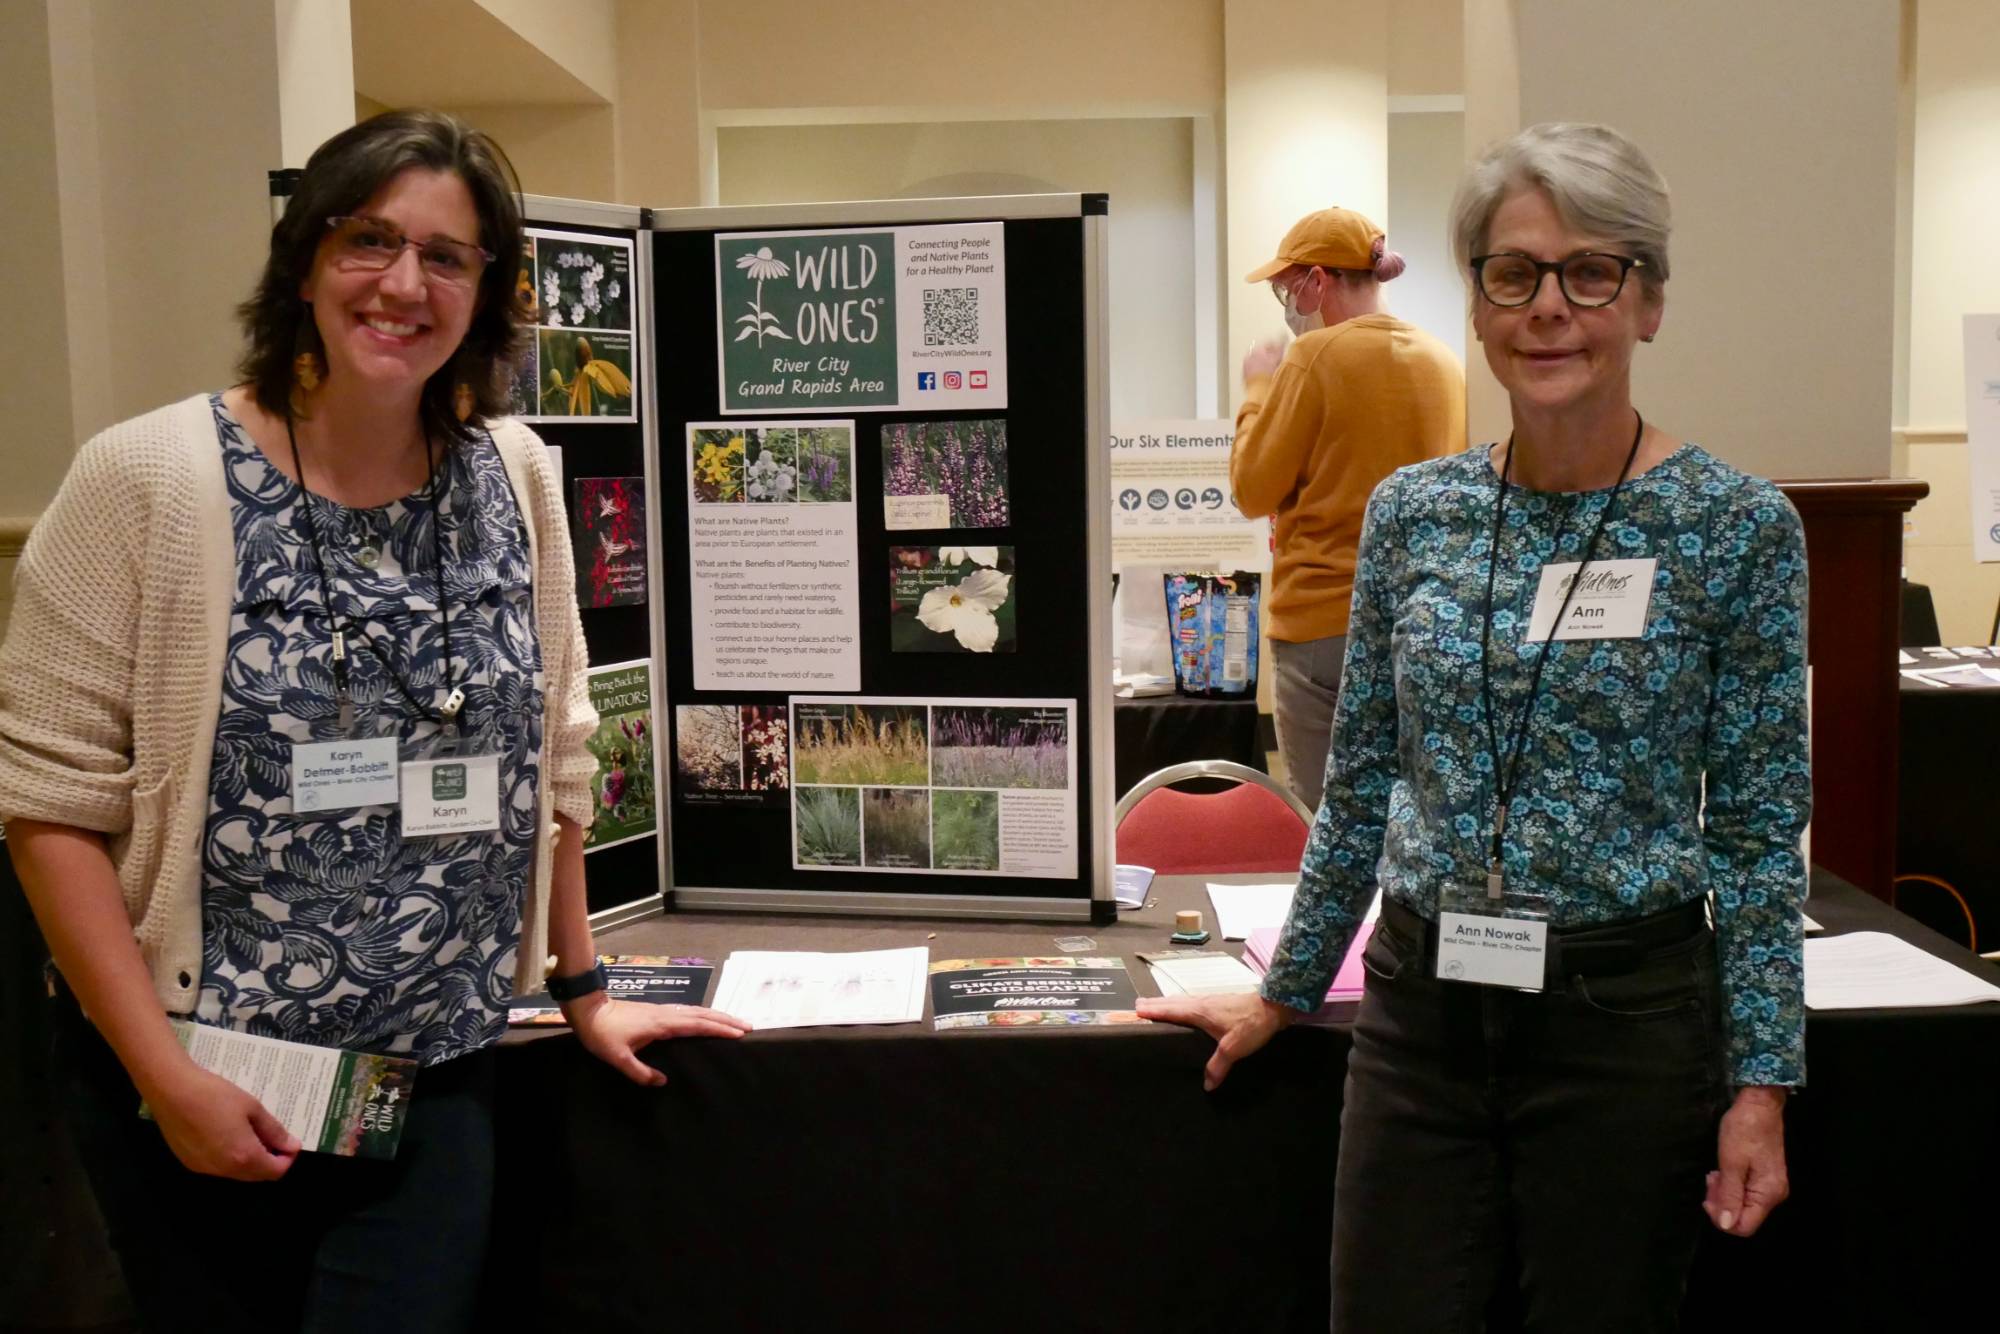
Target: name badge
(457, 795)
(340, 775)
(1610, 602)
(1494, 951)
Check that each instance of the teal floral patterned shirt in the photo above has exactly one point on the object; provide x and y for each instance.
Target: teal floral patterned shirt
(1607, 820)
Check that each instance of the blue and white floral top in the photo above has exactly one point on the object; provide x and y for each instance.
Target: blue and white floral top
(1607, 819)
(330, 928)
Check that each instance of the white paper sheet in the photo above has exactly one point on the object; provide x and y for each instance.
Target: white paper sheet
(1241, 909)
(1871, 969)
(801, 989)
(1201, 975)
(1811, 925)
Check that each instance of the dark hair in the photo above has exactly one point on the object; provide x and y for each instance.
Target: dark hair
(339, 177)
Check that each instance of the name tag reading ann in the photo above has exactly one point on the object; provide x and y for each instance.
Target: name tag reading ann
(1610, 601)
(460, 795)
(340, 775)
(1494, 951)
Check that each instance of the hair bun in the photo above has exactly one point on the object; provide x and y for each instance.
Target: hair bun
(1389, 265)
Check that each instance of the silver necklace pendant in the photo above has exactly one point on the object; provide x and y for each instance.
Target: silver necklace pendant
(369, 556)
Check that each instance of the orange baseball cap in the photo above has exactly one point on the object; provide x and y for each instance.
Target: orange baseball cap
(1333, 238)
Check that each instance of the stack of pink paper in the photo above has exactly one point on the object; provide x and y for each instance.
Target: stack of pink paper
(1262, 942)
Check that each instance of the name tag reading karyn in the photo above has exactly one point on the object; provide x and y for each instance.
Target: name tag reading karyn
(1610, 601)
(340, 775)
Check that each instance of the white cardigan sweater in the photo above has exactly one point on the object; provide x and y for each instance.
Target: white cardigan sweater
(111, 673)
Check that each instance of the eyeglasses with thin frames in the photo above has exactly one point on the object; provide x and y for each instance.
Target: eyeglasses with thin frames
(1590, 279)
(370, 244)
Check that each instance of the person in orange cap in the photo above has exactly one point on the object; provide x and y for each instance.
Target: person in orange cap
(1358, 394)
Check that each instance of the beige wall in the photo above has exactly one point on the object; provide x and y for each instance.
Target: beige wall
(564, 150)
(315, 75)
(1775, 126)
(1953, 273)
(1145, 166)
(1426, 151)
(1306, 126)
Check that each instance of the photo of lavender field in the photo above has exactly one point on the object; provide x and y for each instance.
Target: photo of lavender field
(963, 464)
(985, 746)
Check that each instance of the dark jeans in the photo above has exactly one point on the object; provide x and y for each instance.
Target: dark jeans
(336, 1244)
(1557, 1141)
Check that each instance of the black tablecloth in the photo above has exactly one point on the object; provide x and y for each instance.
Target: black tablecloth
(1169, 729)
(893, 1178)
(1948, 798)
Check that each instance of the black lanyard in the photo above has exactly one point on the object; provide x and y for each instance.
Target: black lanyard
(447, 715)
(1507, 775)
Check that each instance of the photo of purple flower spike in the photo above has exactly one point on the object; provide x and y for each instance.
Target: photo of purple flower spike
(962, 462)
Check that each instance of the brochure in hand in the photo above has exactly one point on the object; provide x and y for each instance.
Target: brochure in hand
(652, 978)
(1059, 991)
(351, 1103)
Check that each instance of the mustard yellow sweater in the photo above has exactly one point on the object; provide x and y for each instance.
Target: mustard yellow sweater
(1348, 406)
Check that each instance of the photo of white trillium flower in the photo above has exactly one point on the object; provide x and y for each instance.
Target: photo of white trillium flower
(951, 600)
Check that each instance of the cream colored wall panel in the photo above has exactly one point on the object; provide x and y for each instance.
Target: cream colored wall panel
(1940, 519)
(1426, 48)
(558, 150)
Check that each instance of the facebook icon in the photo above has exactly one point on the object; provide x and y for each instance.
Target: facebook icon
(926, 379)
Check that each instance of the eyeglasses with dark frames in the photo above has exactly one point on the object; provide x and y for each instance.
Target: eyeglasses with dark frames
(370, 244)
(1590, 279)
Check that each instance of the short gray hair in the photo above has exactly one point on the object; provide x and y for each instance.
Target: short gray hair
(1599, 181)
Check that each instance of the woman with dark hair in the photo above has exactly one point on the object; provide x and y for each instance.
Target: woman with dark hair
(292, 722)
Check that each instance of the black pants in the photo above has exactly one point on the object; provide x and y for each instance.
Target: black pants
(1555, 1140)
(336, 1244)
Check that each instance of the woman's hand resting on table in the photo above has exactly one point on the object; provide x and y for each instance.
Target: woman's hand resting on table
(615, 1030)
(1239, 1024)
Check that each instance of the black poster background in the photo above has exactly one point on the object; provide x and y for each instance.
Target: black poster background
(1048, 446)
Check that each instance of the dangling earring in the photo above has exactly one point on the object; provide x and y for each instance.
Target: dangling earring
(306, 371)
(1645, 338)
(461, 401)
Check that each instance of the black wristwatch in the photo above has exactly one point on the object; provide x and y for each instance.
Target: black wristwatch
(578, 985)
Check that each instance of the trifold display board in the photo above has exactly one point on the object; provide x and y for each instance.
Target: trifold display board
(585, 266)
(880, 555)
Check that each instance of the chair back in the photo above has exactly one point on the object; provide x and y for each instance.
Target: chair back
(1254, 826)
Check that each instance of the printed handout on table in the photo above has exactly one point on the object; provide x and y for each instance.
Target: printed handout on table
(1867, 970)
(800, 989)
(581, 361)
(1200, 973)
(651, 979)
(934, 786)
(1059, 990)
(862, 319)
(774, 570)
(622, 746)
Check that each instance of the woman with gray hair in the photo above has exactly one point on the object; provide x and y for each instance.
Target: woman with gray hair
(1559, 644)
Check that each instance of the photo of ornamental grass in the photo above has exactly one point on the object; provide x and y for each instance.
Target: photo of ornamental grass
(827, 826)
(965, 831)
(981, 746)
(963, 461)
(826, 463)
(896, 827)
(881, 745)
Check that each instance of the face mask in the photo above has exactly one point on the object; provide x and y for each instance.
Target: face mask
(1301, 322)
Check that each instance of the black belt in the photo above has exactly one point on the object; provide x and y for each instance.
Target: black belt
(1599, 949)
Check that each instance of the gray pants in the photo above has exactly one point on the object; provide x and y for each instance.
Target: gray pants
(1305, 690)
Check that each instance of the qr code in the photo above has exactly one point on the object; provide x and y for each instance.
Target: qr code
(951, 316)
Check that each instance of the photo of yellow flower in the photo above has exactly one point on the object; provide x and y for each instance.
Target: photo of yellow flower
(717, 454)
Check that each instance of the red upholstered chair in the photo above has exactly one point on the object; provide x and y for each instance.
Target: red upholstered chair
(1256, 825)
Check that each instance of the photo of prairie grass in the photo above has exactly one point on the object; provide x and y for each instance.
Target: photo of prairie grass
(827, 824)
(708, 747)
(877, 745)
(716, 455)
(965, 462)
(896, 827)
(965, 831)
(826, 463)
(985, 746)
